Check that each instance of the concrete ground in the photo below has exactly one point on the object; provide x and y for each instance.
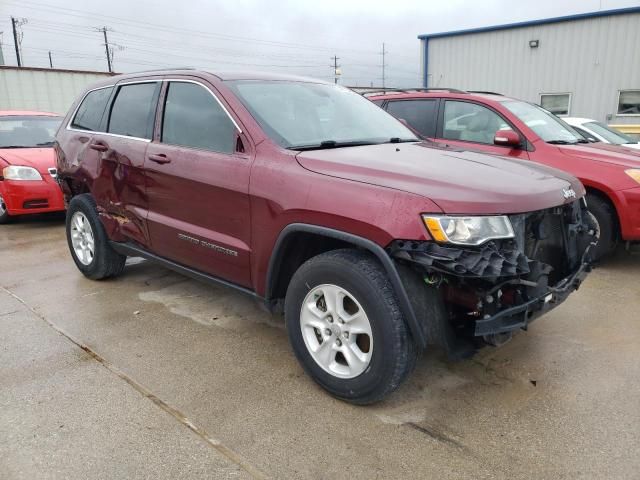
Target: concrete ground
(153, 375)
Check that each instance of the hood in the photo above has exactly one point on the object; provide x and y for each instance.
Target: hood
(605, 153)
(459, 181)
(39, 158)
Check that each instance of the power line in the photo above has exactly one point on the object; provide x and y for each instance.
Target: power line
(159, 27)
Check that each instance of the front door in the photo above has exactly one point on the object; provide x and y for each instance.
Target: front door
(473, 126)
(197, 183)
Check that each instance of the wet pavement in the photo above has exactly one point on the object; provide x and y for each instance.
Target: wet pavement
(153, 375)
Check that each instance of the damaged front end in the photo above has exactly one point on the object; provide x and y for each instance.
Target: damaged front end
(503, 285)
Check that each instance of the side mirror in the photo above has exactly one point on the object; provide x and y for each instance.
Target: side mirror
(506, 138)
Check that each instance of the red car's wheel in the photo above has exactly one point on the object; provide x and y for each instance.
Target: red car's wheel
(4, 214)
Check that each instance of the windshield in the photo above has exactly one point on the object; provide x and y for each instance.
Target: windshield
(17, 131)
(314, 115)
(609, 134)
(546, 125)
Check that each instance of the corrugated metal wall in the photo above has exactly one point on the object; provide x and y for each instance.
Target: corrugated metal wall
(40, 89)
(591, 58)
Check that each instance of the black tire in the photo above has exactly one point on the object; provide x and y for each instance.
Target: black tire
(394, 353)
(4, 217)
(106, 261)
(605, 215)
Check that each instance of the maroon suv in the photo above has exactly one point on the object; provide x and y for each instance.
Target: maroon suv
(307, 196)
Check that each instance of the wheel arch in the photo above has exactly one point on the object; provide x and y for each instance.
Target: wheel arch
(318, 240)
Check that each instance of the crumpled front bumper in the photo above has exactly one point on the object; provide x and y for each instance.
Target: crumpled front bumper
(503, 286)
(520, 316)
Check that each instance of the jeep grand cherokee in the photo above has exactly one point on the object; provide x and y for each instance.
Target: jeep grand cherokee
(373, 244)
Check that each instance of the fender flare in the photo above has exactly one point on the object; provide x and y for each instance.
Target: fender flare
(387, 263)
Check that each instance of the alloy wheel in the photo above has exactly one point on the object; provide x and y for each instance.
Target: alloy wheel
(336, 331)
(82, 238)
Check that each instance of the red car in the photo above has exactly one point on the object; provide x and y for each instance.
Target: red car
(27, 164)
(307, 196)
(497, 124)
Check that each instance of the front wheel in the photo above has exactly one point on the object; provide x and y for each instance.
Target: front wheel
(346, 328)
(88, 241)
(605, 215)
(4, 213)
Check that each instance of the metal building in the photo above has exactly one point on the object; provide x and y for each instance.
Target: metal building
(585, 65)
(43, 89)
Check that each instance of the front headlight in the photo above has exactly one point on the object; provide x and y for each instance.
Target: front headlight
(467, 230)
(14, 172)
(634, 173)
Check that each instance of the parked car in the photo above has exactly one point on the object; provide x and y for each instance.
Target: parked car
(595, 131)
(27, 164)
(497, 124)
(305, 195)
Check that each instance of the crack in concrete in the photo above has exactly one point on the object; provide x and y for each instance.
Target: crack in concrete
(434, 434)
(145, 392)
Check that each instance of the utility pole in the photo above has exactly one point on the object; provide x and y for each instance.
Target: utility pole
(383, 53)
(1, 52)
(50, 61)
(336, 69)
(17, 38)
(106, 48)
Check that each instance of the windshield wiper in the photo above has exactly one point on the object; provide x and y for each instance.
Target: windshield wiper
(15, 146)
(45, 144)
(402, 140)
(329, 144)
(561, 142)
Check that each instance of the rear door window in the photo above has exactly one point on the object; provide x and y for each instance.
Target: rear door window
(194, 118)
(89, 114)
(420, 114)
(133, 110)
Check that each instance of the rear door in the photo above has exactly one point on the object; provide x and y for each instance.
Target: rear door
(472, 126)
(120, 184)
(198, 180)
(421, 114)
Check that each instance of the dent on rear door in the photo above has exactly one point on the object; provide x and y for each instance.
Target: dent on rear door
(120, 188)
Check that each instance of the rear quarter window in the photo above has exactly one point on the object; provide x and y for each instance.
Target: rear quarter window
(89, 114)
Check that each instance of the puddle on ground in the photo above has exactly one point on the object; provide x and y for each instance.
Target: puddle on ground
(211, 306)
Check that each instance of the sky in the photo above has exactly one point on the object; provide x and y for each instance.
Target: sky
(293, 37)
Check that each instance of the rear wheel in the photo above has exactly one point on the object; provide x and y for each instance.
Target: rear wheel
(605, 215)
(346, 328)
(4, 213)
(88, 241)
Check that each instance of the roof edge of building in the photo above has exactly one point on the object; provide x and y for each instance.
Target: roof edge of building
(60, 70)
(529, 23)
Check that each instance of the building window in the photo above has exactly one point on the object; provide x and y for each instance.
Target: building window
(557, 103)
(629, 102)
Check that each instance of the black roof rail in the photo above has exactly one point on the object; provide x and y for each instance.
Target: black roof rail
(409, 90)
(484, 92)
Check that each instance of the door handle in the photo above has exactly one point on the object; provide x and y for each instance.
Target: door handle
(160, 158)
(98, 146)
